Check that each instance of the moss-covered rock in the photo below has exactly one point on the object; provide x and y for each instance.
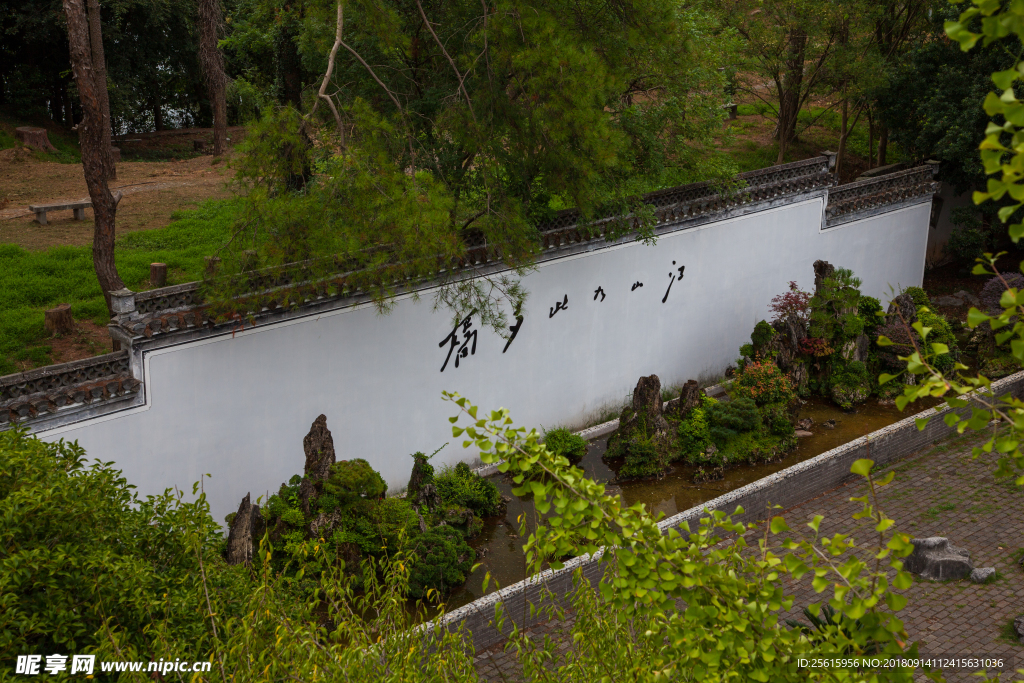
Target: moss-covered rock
(643, 459)
(563, 442)
(999, 366)
(850, 383)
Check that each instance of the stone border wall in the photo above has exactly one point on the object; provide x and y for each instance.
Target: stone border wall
(788, 488)
(68, 387)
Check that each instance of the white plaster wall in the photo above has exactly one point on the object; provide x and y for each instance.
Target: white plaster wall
(238, 407)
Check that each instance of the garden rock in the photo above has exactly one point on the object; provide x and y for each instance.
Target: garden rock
(805, 423)
(246, 528)
(983, 574)
(822, 271)
(647, 404)
(947, 301)
(785, 344)
(934, 558)
(427, 496)
(422, 476)
(968, 297)
(802, 433)
(1018, 626)
(863, 344)
(318, 445)
(849, 395)
(324, 524)
(903, 306)
(800, 378)
(829, 424)
(689, 399)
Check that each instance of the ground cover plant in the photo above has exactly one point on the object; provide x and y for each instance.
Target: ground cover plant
(31, 282)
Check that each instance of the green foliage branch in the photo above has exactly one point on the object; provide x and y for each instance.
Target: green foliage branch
(729, 627)
(455, 144)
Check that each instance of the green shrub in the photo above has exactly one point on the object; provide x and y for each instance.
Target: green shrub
(834, 308)
(694, 434)
(78, 549)
(870, 310)
(351, 481)
(565, 443)
(286, 498)
(443, 559)
(776, 419)
(918, 296)
(642, 460)
(849, 383)
(761, 335)
(764, 383)
(941, 333)
(754, 447)
(393, 519)
(967, 244)
(459, 486)
(728, 420)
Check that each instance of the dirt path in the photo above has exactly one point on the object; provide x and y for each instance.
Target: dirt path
(152, 191)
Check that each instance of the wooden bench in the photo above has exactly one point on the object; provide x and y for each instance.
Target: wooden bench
(78, 207)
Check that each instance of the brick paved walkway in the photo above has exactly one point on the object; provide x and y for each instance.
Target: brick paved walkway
(944, 492)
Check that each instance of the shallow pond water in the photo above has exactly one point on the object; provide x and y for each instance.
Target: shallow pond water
(500, 545)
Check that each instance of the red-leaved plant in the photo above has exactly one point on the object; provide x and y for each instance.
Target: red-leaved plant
(815, 346)
(794, 301)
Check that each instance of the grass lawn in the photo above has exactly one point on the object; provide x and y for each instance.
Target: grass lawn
(749, 144)
(33, 281)
(66, 142)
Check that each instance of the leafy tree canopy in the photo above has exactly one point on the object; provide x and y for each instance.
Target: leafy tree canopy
(932, 102)
(466, 125)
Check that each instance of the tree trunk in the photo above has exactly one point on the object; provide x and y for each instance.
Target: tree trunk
(213, 69)
(95, 154)
(843, 134)
(99, 75)
(69, 114)
(36, 138)
(56, 104)
(58, 320)
(158, 274)
(789, 98)
(288, 65)
(158, 117)
(871, 140)
(883, 143)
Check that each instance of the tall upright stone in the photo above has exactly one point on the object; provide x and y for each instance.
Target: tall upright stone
(822, 271)
(319, 447)
(689, 398)
(648, 405)
(244, 535)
